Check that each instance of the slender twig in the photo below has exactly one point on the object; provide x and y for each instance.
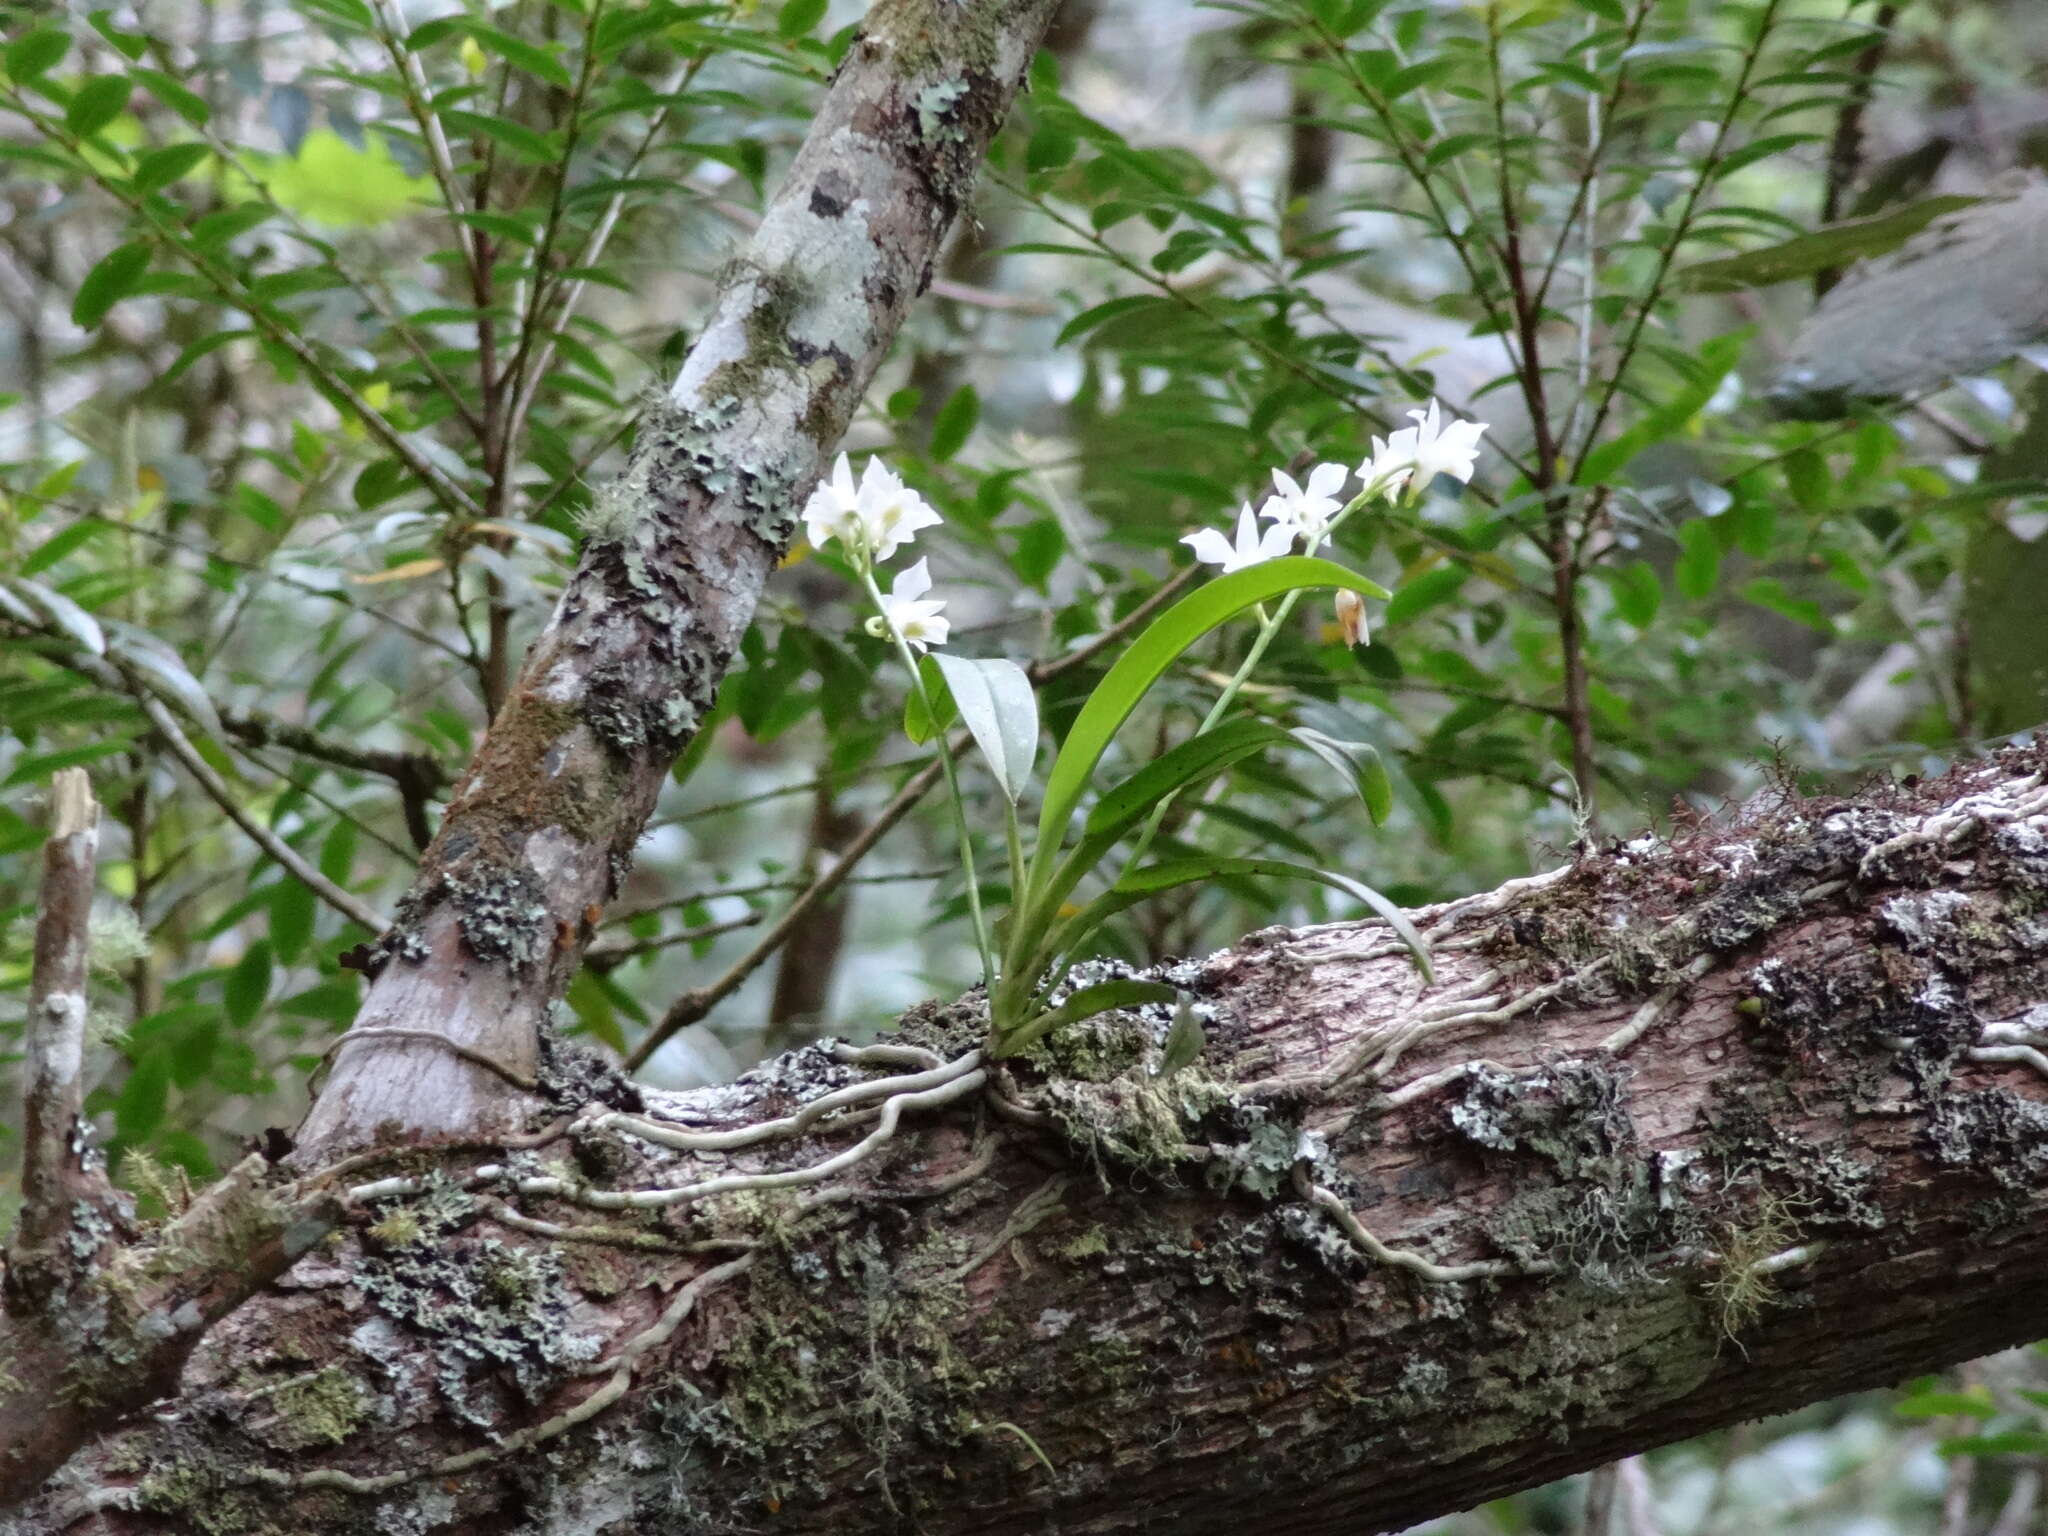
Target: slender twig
(1412, 161)
(1845, 149)
(1585, 198)
(419, 99)
(593, 247)
(218, 792)
(603, 958)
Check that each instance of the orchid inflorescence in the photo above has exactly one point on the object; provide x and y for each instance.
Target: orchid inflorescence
(1408, 460)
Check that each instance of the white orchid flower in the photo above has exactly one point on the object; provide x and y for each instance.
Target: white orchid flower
(908, 613)
(873, 519)
(1430, 448)
(891, 513)
(1308, 511)
(1251, 548)
(833, 512)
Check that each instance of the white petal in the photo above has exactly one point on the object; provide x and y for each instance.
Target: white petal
(842, 481)
(1327, 479)
(1210, 547)
(1279, 539)
(1284, 484)
(912, 582)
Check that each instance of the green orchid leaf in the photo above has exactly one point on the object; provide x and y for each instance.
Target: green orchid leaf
(1163, 642)
(1359, 762)
(1143, 884)
(918, 723)
(1185, 1041)
(995, 701)
(1084, 1004)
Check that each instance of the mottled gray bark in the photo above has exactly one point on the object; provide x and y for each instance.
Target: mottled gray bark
(1679, 1136)
(542, 826)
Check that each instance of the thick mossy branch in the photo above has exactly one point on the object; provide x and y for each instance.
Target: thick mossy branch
(1685, 1134)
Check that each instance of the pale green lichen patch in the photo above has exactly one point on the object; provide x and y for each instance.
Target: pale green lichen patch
(322, 1407)
(490, 1313)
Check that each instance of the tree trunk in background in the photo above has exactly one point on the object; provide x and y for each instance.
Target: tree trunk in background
(1679, 1136)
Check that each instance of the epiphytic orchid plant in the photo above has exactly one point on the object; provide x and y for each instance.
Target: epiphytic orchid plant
(1026, 958)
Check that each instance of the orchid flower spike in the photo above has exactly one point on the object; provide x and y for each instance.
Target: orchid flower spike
(1251, 547)
(908, 614)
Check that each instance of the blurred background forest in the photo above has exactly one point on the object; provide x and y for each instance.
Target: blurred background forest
(321, 321)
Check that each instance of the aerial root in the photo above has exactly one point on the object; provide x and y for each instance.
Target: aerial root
(900, 1095)
(935, 1074)
(1373, 1248)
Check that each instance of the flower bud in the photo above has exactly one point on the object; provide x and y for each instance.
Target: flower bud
(1351, 617)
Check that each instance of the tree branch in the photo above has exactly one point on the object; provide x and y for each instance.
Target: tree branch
(1676, 1138)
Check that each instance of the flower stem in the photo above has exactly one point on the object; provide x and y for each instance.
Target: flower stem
(988, 960)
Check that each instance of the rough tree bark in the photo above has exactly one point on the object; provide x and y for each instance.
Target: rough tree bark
(1681, 1135)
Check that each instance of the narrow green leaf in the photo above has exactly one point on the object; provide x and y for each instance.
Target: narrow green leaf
(34, 53)
(112, 279)
(1157, 648)
(139, 1107)
(995, 701)
(1638, 594)
(1142, 884)
(291, 919)
(521, 55)
(186, 103)
(163, 670)
(160, 167)
(955, 422)
(1360, 763)
(919, 725)
(63, 614)
(800, 18)
(1424, 592)
(1699, 560)
(1052, 145)
(98, 102)
(60, 543)
(1198, 758)
(1832, 245)
(1084, 1004)
(1184, 1041)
